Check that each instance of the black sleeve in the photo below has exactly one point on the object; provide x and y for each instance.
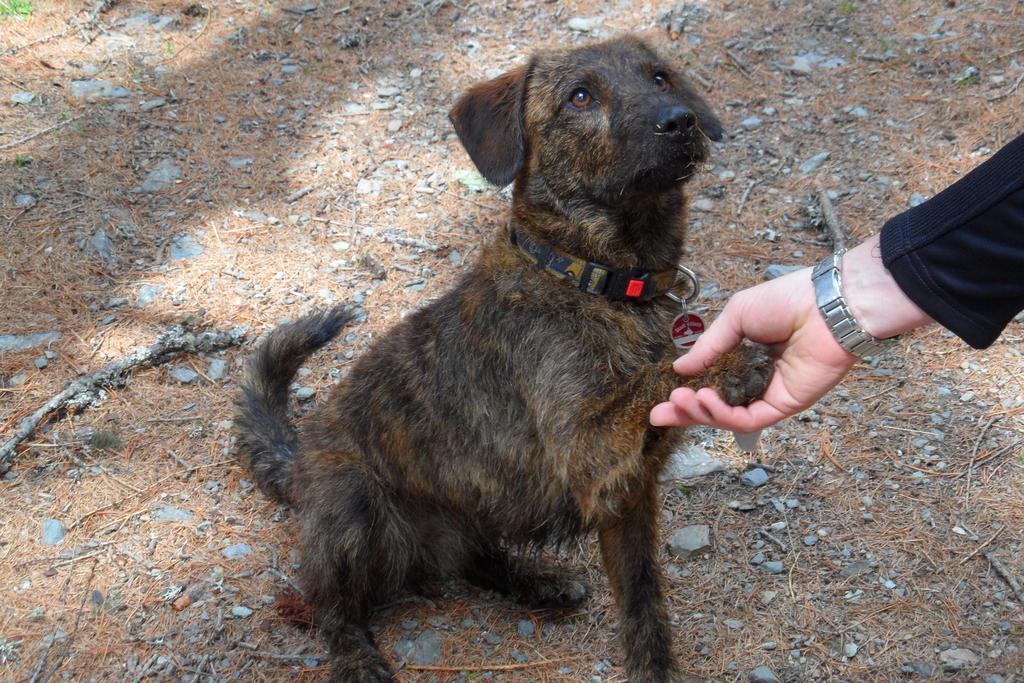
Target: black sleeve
(960, 255)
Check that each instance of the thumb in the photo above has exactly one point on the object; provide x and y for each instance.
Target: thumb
(724, 334)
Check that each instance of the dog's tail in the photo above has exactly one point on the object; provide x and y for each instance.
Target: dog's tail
(266, 440)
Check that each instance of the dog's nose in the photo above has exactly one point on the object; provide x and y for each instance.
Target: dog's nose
(674, 120)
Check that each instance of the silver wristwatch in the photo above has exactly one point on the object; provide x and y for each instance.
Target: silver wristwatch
(828, 293)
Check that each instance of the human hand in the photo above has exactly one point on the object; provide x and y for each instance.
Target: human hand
(809, 361)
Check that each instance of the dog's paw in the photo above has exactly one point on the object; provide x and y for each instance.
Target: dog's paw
(553, 588)
(362, 666)
(744, 374)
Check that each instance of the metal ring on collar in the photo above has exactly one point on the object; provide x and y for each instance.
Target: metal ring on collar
(695, 291)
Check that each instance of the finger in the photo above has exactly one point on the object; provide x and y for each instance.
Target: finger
(757, 415)
(721, 336)
(668, 415)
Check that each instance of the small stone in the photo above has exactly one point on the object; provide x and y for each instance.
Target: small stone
(472, 180)
(518, 657)
(101, 245)
(762, 674)
(810, 540)
(859, 112)
(850, 650)
(96, 90)
(584, 24)
(217, 370)
(236, 550)
(854, 569)
(184, 375)
(751, 123)
(162, 175)
(24, 200)
(773, 567)
(20, 342)
(690, 541)
(768, 597)
(754, 478)
(184, 248)
(923, 669)
(801, 65)
(41, 362)
(367, 186)
(688, 462)
(967, 396)
(734, 624)
(492, 638)
(241, 162)
(23, 97)
(388, 91)
(169, 513)
(769, 645)
(526, 628)
(149, 105)
(147, 293)
(305, 393)
(53, 531)
(702, 204)
(425, 650)
(916, 199)
(757, 559)
(240, 612)
(957, 659)
(814, 162)
(394, 125)
(778, 270)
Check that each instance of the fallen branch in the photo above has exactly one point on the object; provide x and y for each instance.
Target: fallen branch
(1006, 575)
(44, 131)
(82, 392)
(840, 238)
(491, 667)
(1013, 89)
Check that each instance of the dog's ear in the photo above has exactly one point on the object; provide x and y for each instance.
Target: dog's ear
(489, 121)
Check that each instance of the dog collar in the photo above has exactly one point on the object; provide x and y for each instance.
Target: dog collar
(618, 285)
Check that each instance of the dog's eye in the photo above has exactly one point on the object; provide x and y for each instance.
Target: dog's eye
(662, 82)
(580, 98)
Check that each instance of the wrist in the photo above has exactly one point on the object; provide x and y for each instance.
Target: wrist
(873, 296)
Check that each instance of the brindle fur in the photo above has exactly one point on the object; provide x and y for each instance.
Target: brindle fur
(513, 411)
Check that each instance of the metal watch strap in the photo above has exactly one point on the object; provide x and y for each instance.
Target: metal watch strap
(828, 293)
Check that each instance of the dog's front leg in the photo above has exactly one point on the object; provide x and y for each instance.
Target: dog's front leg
(629, 544)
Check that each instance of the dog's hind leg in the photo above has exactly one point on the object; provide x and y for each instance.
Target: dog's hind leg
(358, 552)
(528, 581)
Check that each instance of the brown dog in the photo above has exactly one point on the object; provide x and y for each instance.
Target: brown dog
(512, 412)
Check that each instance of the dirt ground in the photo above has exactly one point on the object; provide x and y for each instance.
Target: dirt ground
(249, 161)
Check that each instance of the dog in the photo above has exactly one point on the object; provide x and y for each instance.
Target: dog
(511, 414)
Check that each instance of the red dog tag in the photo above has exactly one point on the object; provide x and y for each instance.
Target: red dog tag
(686, 329)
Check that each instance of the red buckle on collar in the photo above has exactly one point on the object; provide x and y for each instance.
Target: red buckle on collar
(635, 288)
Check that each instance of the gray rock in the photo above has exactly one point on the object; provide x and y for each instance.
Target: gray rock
(994, 678)
(850, 650)
(916, 199)
(24, 200)
(242, 162)
(184, 375)
(773, 567)
(41, 362)
(778, 270)
(236, 550)
(149, 105)
(751, 123)
(854, 569)
(801, 65)
(858, 112)
(20, 342)
(23, 97)
(754, 478)
(762, 674)
(368, 186)
(147, 293)
(53, 531)
(169, 513)
(97, 90)
(184, 248)
(304, 8)
(584, 24)
(101, 245)
(526, 628)
(923, 669)
(810, 540)
(814, 162)
(388, 91)
(734, 624)
(305, 393)
(218, 368)
(472, 180)
(688, 462)
(241, 612)
(958, 658)
(289, 69)
(690, 540)
(757, 559)
(425, 650)
(162, 175)
(518, 657)
(702, 204)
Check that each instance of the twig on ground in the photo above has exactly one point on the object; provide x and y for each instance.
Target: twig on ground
(743, 199)
(44, 131)
(840, 238)
(982, 546)
(1013, 89)
(74, 631)
(82, 391)
(10, 223)
(769, 537)
(740, 66)
(300, 193)
(1003, 572)
(970, 463)
(38, 41)
(410, 242)
(491, 667)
